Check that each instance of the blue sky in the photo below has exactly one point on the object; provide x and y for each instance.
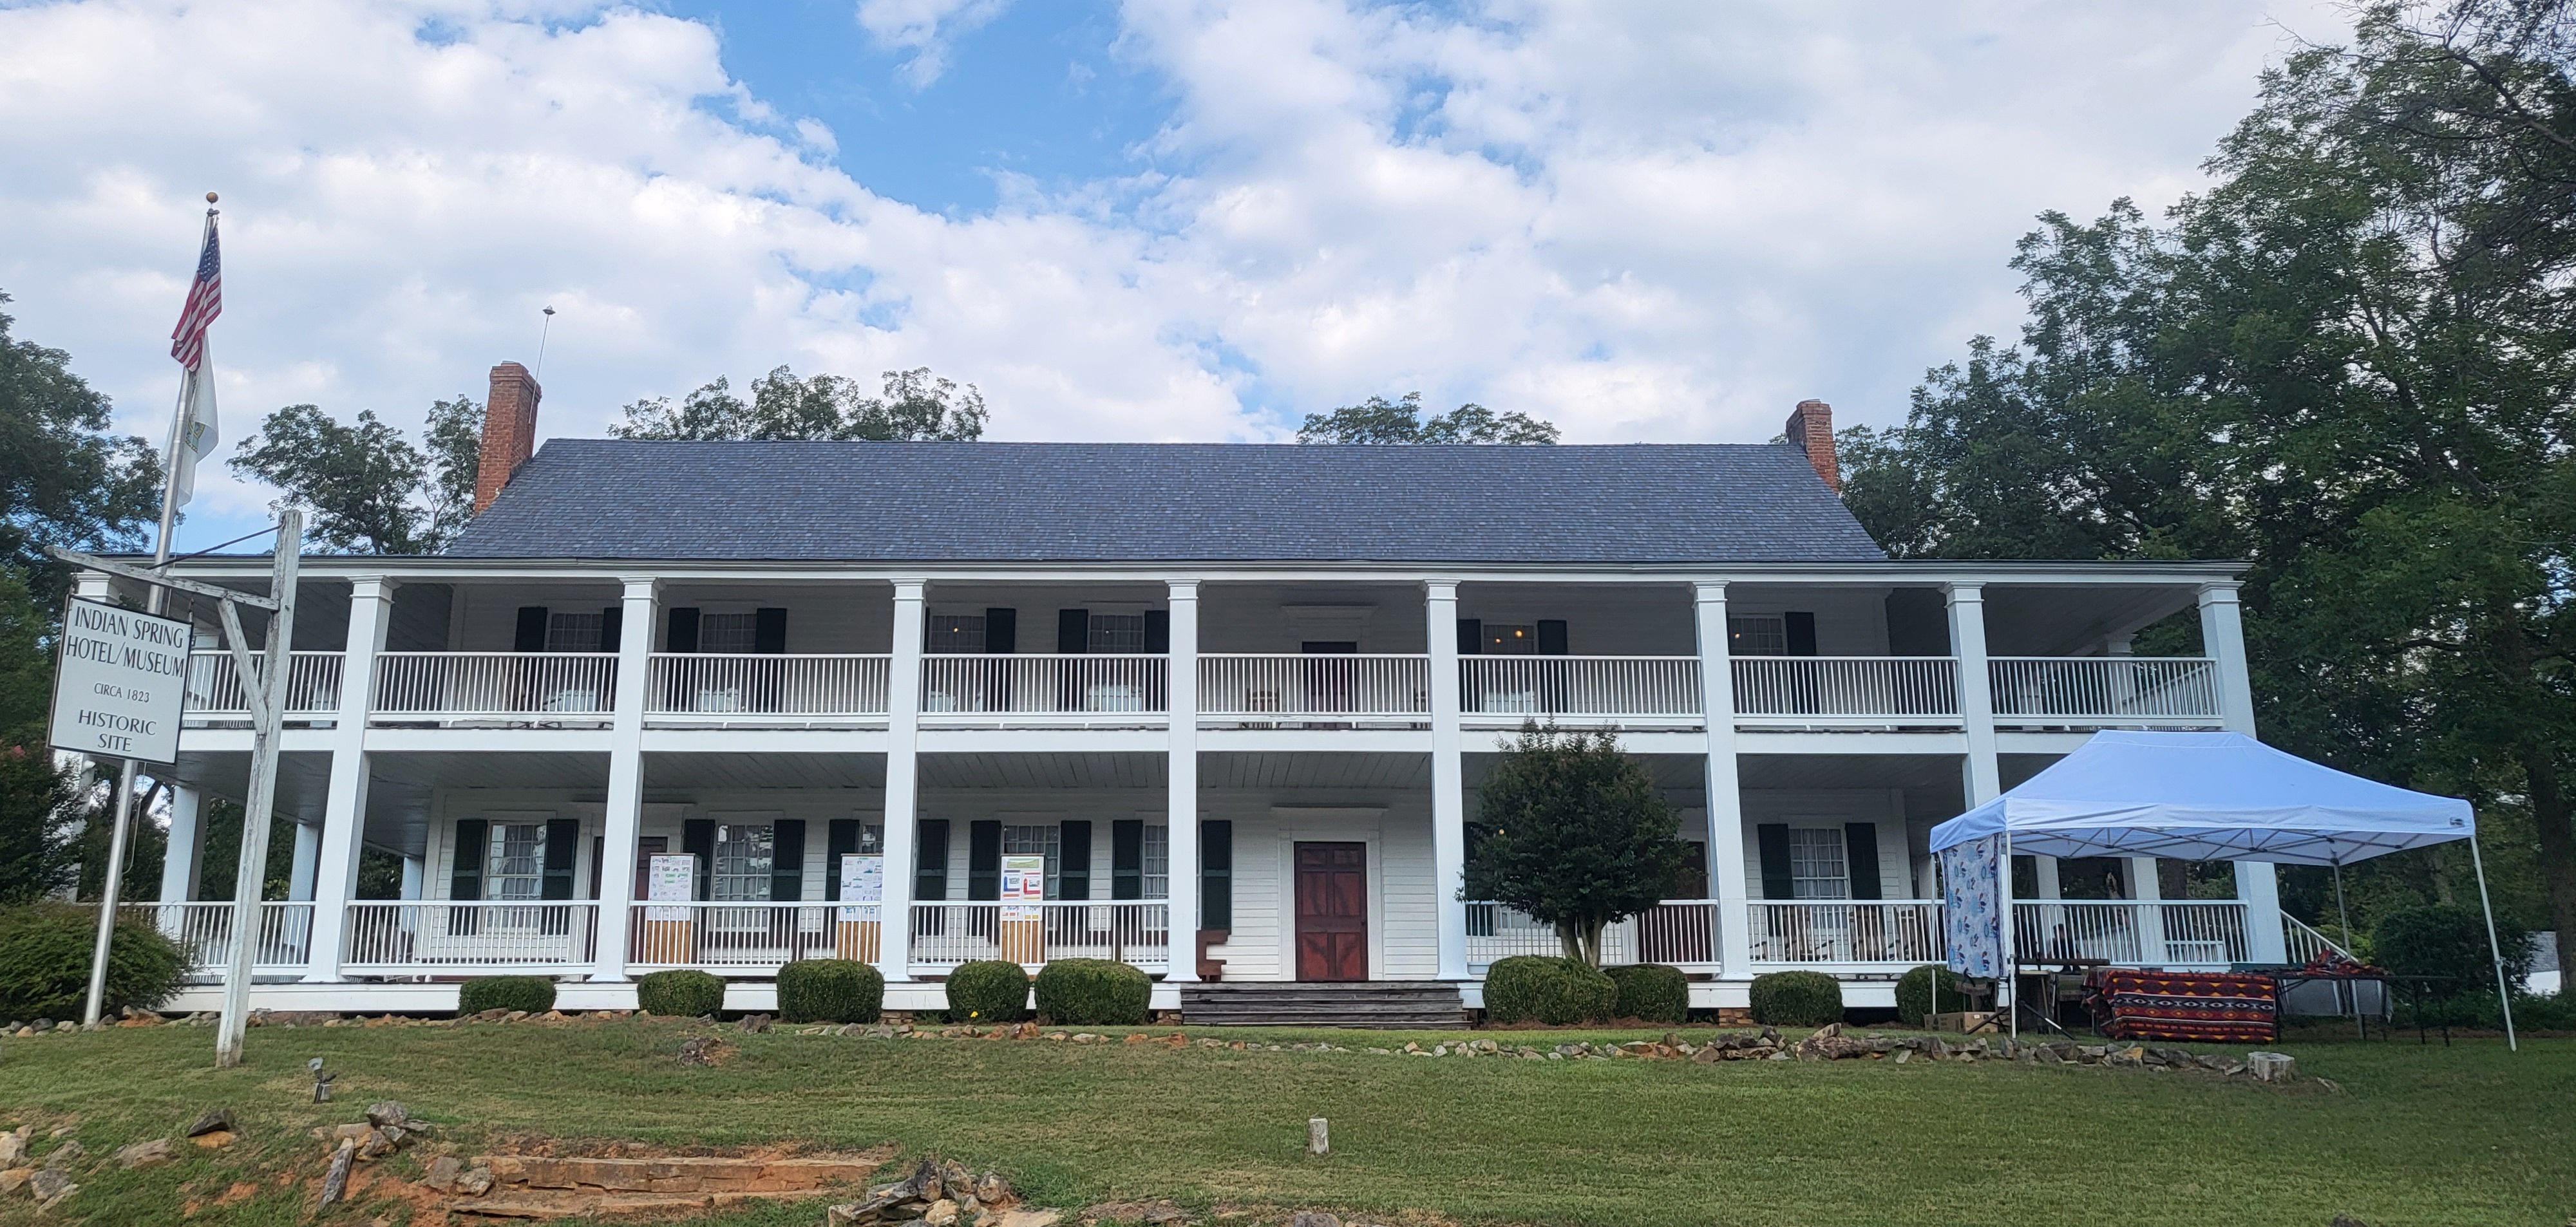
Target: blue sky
(1151, 219)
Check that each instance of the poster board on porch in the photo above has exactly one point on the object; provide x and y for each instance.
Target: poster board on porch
(1022, 931)
(670, 886)
(862, 878)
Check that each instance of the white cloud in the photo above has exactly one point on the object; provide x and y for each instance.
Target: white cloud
(1641, 222)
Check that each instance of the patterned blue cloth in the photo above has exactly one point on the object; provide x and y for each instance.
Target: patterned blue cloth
(1971, 911)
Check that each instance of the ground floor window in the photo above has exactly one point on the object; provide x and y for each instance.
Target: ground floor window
(1816, 864)
(516, 867)
(745, 855)
(1046, 841)
(1158, 863)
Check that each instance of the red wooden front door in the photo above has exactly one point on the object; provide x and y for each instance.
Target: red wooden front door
(1332, 911)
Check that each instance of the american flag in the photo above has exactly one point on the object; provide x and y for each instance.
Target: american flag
(205, 302)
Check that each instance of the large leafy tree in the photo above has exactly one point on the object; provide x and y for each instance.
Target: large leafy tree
(366, 488)
(2349, 362)
(1570, 831)
(911, 405)
(1379, 420)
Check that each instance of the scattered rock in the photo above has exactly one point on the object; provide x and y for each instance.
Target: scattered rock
(476, 1182)
(1160, 1213)
(14, 1179)
(1314, 1218)
(70, 1152)
(335, 1182)
(13, 1146)
(219, 1120)
(942, 1213)
(387, 1113)
(2272, 1066)
(1028, 1218)
(144, 1154)
(443, 1172)
(700, 1051)
(756, 1024)
(50, 1186)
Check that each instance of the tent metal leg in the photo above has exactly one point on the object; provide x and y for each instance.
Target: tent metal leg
(2495, 951)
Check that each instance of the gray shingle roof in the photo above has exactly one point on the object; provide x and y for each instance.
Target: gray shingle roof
(1167, 502)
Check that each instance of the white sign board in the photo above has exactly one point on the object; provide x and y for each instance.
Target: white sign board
(862, 885)
(1023, 887)
(670, 877)
(121, 683)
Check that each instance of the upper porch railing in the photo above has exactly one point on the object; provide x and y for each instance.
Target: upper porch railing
(1847, 689)
(215, 689)
(1591, 689)
(1261, 688)
(2091, 690)
(1092, 688)
(474, 684)
(713, 688)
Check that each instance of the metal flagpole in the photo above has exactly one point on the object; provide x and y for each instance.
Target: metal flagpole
(2343, 915)
(2494, 951)
(267, 697)
(111, 883)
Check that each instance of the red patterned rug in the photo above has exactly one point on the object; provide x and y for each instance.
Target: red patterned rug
(2211, 1007)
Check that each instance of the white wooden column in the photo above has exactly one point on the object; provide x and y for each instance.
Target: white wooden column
(622, 817)
(1448, 779)
(413, 870)
(902, 782)
(1726, 874)
(334, 876)
(1181, 776)
(2149, 891)
(1976, 691)
(2222, 639)
(299, 871)
(185, 858)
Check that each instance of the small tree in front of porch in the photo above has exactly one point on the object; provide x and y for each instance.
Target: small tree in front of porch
(1571, 832)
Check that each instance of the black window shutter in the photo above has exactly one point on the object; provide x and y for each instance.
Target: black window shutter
(1216, 875)
(1158, 630)
(531, 635)
(930, 859)
(787, 860)
(563, 844)
(1773, 838)
(698, 839)
(840, 838)
(612, 623)
(1127, 859)
(1001, 631)
(769, 631)
(473, 839)
(1860, 858)
(1471, 637)
(983, 860)
(1800, 631)
(1072, 631)
(1075, 835)
(1551, 637)
(682, 633)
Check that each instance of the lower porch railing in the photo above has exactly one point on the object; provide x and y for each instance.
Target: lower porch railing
(745, 936)
(1681, 932)
(1847, 931)
(204, 931)
(1135, 932)
(2197, 933)
(425, 936)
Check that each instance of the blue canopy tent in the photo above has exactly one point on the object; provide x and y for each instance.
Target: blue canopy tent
(2189, 796)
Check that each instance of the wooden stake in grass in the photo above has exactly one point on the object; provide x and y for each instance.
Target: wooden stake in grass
(1319, 1136)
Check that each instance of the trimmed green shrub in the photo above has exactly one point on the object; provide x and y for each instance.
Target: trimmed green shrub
(1557, 992)
(531, 993)
(1093, 992)
(44, 962)
(1650, 992)
(1914, 993)
(2450, 942)
(989, 991)
(1797, 999)
(830, 990)
(679, 994)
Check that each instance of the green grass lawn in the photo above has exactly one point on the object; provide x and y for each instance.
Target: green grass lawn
(2467, 1135)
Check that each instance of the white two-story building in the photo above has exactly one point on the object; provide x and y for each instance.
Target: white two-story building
(1237, 700)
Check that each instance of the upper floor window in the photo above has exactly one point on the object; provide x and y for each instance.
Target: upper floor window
(1116, 633)
(1757, 635)
(1506, 639)
(1816, 865)
(516, 868)
(745, 855)
(954, 634)
(737, 633)
(573, 632)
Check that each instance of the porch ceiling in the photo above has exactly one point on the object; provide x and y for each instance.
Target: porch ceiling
(748, 771)
(399, 786)
(1357, 771)
(1042, 771)
(1671, 772)
(2052, 621)
(1926, 771)
(303, 780)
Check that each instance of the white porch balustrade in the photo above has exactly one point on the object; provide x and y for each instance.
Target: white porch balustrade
(204, 931)
(1904, 931)
(451, 685)
(429, 936)
(2176, 934)
(748, 936)
(1678, 932)
(2094, 690)
(716, 688)
(1083, 689)
(1136, 932)
(1253, 687)
(215, 689)
(1592, 689)
(1847, 689)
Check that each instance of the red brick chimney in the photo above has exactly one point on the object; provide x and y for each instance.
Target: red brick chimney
(509, 431)
(1810, 430)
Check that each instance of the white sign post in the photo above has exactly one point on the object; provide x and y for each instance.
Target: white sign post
(121, 683)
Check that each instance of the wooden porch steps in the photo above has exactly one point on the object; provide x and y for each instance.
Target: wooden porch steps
(1382, 1004)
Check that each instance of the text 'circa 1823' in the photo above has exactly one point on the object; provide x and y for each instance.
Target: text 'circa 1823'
(121, 683)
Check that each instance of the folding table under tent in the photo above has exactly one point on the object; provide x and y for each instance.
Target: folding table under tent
(2189, 796)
